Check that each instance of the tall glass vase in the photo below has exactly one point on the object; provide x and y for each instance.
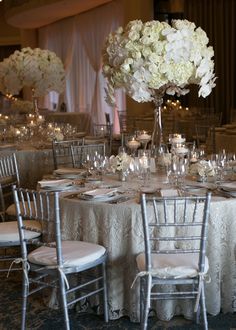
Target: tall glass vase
(157, 133)
(35, 107)
(158, 146)
(35, 104)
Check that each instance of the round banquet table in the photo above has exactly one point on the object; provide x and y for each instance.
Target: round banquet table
(118, 227)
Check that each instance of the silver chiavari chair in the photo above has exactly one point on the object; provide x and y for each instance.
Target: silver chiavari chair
(175, 232)
(62, 155)
(9, 234)
(82, 154)
(9, 175)
(52, 262)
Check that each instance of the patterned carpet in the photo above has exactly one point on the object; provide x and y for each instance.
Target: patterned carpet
(41, 317)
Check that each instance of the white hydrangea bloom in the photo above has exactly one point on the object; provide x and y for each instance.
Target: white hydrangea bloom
(154, 57)
(41, 70)
(202, 168)
(121, 162)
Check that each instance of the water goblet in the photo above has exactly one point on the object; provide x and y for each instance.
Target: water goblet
(133, 145)
(144, 158)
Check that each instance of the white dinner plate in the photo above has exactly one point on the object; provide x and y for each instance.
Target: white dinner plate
(196, 191)
(99, 194)
(229, 186)
(98, 199)
(58, 188)
(70, 173)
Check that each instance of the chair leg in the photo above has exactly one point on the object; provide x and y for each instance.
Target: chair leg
(146, 299)
(198, 314)
(141, 300)
(25, 289)
(64, 301)
(105, 294)
(203, 303)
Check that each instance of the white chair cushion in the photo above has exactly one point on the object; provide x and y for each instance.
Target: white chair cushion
(9, 230)
(75, 253)
(172, 265)
(11, 210)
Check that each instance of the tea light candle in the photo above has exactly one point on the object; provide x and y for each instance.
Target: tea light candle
(177, 138)
(181, 150)
(32, 124)
(144, 136)
(40, 119)
(133, 144)
(193, 159)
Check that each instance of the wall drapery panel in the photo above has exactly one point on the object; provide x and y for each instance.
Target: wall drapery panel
(217, 18)
(78, 41)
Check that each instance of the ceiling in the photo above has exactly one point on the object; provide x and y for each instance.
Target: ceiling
(34, 14)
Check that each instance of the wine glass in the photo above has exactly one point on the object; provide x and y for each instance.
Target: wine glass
(144, 158)
(133, 145)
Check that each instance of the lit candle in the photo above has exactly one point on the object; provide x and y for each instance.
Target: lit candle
(133, 144)
(177, 138)
(181, 150)
(31, 124)
(144, 136)
(40, 119)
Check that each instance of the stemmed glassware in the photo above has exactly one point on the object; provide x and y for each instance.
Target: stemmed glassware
(177, 171)
(133, 145)
(219, 163)
(144, 159)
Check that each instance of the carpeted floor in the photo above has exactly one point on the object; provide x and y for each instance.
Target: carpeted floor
(41, 317)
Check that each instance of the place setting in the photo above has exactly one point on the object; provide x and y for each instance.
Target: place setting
(70, 173)
(58, 185)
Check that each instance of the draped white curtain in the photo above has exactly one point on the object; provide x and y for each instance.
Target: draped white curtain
(78, 41)
(217, 18)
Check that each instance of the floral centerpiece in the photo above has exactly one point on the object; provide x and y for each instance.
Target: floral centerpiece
(203, 169)
(120, 164)
(41, 70)
(150, 59)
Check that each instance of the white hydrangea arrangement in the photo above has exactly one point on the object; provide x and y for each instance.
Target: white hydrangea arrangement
(202, 168)
(41, 70)
(121, 162)
(152, 58)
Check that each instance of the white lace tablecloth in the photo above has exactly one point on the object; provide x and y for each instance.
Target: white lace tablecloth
(119, 228)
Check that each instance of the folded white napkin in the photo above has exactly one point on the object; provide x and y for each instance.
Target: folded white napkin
(100, 192)
(169, 192)
(231, 186)
(54, 183)
(69, 170)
